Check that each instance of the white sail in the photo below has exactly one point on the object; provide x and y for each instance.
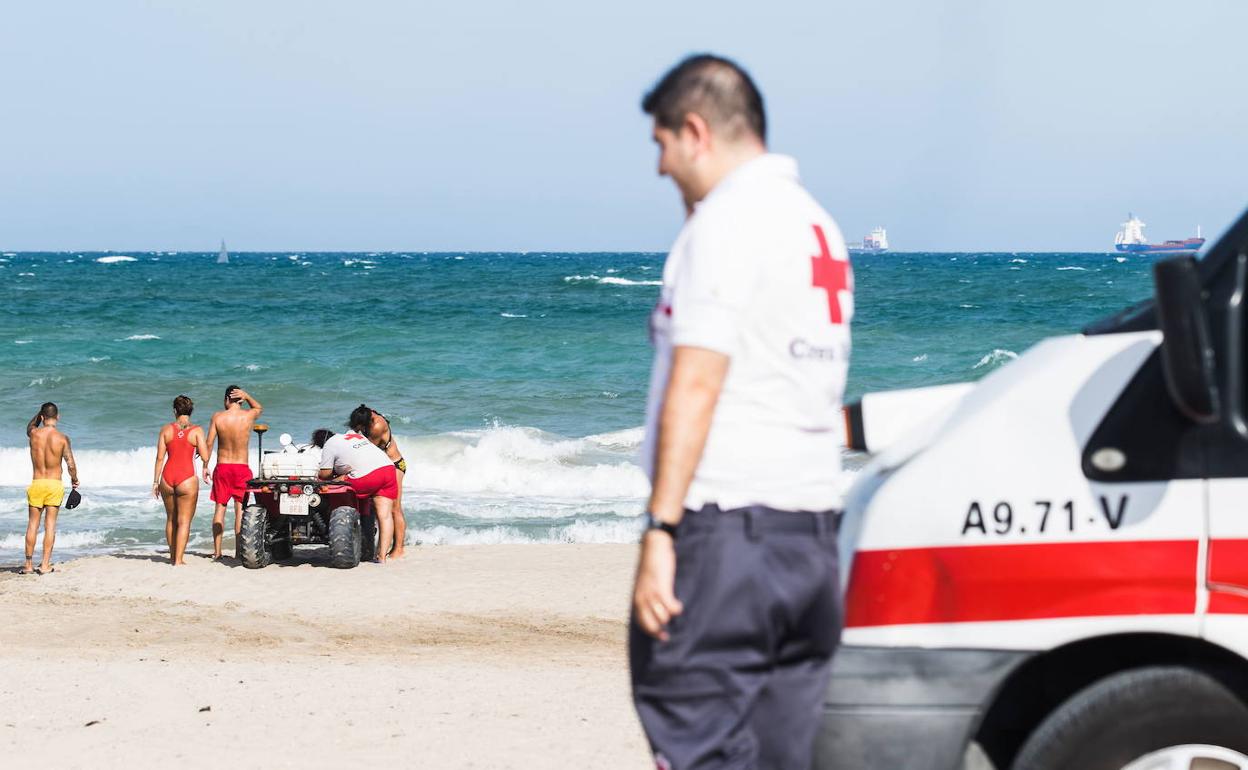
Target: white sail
(224, 257)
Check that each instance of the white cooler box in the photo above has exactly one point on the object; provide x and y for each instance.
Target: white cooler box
(301, 462)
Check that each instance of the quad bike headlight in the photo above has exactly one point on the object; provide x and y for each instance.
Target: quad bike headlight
(283, 487)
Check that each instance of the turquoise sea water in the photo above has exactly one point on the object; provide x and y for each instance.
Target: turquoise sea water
(515, 382)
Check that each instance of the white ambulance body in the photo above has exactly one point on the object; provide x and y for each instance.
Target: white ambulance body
(1049, 568)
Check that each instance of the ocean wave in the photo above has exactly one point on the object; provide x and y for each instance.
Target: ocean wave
(623, 530)
(500, 461)
(115, 260)
(16, 541)
(1120, 259)
(513, 315)
(996, 358)
(22, 342)
(1070, 267)
(610, 280)
(138, 337)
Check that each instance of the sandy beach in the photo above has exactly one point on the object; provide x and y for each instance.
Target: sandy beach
(458, 656)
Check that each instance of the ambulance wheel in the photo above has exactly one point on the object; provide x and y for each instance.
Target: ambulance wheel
(1142, 719)
(344, 537)
(255, 549)
(368, 537)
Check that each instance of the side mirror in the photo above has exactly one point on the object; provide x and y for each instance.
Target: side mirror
(1186, 353)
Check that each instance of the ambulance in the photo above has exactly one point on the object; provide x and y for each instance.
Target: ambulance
(1048, 569)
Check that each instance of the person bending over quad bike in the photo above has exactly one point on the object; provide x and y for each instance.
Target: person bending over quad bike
(354, 460)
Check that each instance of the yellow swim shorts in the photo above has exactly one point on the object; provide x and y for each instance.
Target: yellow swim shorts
(44, 492)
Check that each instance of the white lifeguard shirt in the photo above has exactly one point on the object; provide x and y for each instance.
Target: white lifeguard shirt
(761, 274)
(352, 454)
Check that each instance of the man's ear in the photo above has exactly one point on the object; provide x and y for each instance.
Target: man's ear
(698, 131)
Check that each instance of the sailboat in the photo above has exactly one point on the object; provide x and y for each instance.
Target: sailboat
(224, 257)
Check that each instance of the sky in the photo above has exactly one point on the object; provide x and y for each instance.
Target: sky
(501, 126)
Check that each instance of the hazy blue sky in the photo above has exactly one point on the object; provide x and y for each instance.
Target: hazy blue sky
(302, 124)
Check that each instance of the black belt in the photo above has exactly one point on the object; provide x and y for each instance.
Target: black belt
(759, 520)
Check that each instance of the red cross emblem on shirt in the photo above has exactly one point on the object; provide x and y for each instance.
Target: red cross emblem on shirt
(831, 275)
(352, 436)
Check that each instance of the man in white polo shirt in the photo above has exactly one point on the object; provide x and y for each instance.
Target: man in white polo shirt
(356, 461)
(736, 603)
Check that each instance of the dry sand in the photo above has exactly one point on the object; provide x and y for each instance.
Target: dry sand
(457, 656)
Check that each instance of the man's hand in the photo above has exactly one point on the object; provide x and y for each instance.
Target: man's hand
(654, 596)
(207, 476)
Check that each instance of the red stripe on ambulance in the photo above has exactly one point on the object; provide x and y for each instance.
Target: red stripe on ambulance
(1228, 576)
(965, 584)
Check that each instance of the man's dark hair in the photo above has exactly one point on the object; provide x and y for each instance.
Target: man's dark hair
(230, 390)
(49, 411)
(716, 88)
(361, 419)
(320, 436)
(183, 405)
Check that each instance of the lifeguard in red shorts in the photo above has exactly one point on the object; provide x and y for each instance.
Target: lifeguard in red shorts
(352, 458)
(231, 431)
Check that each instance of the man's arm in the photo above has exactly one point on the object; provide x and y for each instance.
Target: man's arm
(255, 407)
(70, 464)
(34, 423)
(211, 441)
(693, 389)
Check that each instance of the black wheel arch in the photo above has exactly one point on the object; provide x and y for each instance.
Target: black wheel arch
(1037, 687)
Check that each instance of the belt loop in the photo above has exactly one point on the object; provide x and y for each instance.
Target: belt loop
(753, 527)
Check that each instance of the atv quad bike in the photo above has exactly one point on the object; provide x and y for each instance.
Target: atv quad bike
(289, 505)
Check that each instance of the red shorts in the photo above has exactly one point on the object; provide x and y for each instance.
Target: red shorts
(229, 482)
(383, 482)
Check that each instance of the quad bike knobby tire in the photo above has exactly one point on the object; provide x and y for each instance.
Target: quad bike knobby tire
(257, 552)
(344, 537)
(368, 537)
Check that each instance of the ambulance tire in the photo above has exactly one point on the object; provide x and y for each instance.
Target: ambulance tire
(1127, 715)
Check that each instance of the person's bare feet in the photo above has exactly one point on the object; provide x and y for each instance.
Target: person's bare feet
(398, 553)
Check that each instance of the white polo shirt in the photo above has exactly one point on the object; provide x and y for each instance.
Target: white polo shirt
(761, 274)
(352, 454)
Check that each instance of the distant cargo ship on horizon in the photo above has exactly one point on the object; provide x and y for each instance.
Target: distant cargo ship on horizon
(876, 242)
(1131, 239)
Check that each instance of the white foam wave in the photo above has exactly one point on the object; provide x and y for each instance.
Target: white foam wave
(1068, 267)
(1019, 261)
(97, 359)
(996, 358)
(28, 275)
(920, 358)
(115, 260)
(523, 462)
(623, 530)
(17, 540)
(513, 315)
(22, 342)
(1120, 259)
(10, 254)
(136, 337)
(610, 280)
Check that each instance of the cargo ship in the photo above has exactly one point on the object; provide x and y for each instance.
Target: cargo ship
(875, 242)
(1131, 239)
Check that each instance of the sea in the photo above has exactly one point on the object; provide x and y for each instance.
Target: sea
(515, 382)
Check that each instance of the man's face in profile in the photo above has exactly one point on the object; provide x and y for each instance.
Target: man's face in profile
(676, 154)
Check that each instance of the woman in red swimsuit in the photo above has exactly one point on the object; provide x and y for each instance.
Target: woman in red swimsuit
(175, 478)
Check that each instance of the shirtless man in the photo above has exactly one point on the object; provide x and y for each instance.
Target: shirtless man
(48, 448)
(379, 433)
(231, 431)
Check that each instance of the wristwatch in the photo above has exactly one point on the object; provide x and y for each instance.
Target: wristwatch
(655, 523)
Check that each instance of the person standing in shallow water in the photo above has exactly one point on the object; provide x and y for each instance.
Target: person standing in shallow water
(48, 449)
(231, 430)
(175, 481)
(736, 604)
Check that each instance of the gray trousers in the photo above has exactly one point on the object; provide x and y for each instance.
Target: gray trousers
(741, 681)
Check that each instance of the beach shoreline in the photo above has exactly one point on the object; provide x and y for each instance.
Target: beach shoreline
(467, 656)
